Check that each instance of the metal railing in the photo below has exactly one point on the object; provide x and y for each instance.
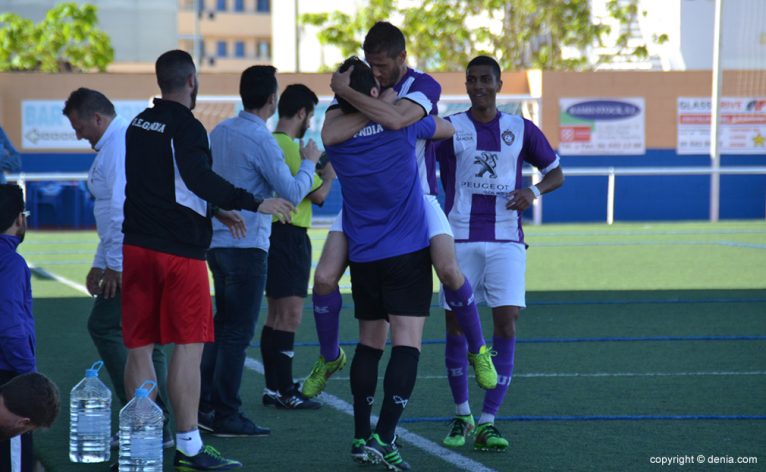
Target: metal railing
(611, 173)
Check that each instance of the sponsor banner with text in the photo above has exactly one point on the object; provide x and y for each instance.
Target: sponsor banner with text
(742, 125)
(601, 126)
(44, 127)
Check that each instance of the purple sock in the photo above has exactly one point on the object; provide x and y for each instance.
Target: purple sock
(457, 367)
(327, 319)
(503, 361)
(462, 303)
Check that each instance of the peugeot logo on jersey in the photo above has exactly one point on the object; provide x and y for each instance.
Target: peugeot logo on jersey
(487, 162)
(508, 137)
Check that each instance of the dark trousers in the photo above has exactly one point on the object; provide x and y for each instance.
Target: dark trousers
(239, 277)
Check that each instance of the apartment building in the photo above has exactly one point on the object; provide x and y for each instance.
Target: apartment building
(226, 35)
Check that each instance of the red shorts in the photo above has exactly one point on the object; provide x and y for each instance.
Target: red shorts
(165, 299)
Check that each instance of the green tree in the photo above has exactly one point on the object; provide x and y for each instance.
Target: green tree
(521, 34)
(68, 39)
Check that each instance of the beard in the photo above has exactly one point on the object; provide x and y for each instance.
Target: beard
(194, 95)
(304, 127)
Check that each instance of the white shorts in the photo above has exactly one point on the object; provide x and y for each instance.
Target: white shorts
(437, 220)
(495, 270)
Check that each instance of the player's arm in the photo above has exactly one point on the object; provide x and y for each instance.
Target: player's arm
(270, 161)
(523, 198)
(539, 153)
(444, 129)
(391, 115)
(319, 195)
(339, 126)
(195, 170)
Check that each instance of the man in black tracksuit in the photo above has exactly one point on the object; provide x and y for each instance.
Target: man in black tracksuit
(170, 189)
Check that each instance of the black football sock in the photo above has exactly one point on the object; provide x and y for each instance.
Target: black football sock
(398, 384)
(364, 381)
(282, 352)
(269, 372)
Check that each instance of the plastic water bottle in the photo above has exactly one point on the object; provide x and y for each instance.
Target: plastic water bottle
(141, 433)
(90, 418)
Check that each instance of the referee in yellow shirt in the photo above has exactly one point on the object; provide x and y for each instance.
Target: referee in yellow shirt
(290, 258)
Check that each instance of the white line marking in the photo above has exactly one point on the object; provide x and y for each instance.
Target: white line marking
(69, 283)
(599, 374)
(420, 442)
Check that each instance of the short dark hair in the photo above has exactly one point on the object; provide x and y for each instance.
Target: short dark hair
(86, 102)
(362, 80)
(256, 85)
(485, 61)
(11, 204)
(295, 97)
(32, 396)
(384, 37)
(173, 68)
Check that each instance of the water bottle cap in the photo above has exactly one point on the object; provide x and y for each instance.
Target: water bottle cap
(93, 371)
(145, 388)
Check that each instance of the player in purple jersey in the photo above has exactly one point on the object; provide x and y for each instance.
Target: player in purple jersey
(481, 173)
(384, 48)
(391, 278)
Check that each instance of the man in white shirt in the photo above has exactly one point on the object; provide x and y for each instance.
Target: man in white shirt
(93, 118)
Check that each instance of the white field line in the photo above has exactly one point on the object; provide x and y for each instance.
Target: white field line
(69, 283)
(533, 375)
(418, 441)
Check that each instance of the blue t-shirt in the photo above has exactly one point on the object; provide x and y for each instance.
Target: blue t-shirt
(383, 212)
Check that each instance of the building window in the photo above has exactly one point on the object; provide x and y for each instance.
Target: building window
(221, 47)
(221, 5)
(239, 49)
(264, 49)
(239, 5)
(264, 6)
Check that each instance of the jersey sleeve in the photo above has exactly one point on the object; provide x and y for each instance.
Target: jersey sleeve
(194, 166)
(537, 150)
(425, 91)
(424, 128)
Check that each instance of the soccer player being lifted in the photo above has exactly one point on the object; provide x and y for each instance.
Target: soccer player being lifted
(481, 173)
(384, 49)
(384, 219)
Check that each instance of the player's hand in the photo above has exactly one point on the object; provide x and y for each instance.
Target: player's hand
(278, 207)
(341, 81)
(234, 221)
(310, 151)
(327, 172)
(110, 283)
(520, 199)
(93, 281)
